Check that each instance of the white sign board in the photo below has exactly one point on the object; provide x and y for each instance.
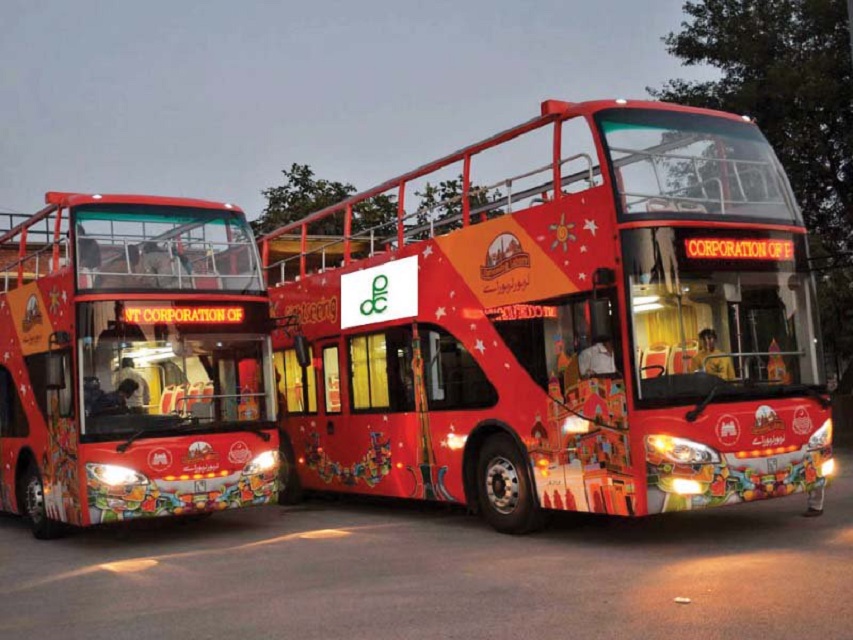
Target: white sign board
(379, 294)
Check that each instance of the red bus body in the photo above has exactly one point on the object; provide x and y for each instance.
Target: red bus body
(684, 242)
(68, 325)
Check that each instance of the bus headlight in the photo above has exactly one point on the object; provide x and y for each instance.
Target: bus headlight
(265, 462)
(822, 437)
(682, 450)
(115, 476)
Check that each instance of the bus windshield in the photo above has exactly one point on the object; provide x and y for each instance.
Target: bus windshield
(166, 375)
(704, 322)
(142, 247)
(689, 165)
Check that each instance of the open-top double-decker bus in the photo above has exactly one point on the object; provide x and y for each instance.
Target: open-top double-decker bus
(136, 376)
(635, 332)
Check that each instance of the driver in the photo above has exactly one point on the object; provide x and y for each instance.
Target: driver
(719, 365)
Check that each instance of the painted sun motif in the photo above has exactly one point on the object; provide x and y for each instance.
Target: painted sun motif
(563, 233)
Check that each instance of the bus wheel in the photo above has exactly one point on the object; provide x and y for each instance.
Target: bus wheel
(289, 488)
(505, 494)
(33, 494)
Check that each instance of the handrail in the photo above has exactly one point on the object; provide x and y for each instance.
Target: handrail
(589, 175)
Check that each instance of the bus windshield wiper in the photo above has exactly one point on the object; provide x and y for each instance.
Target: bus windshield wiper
(136, 435)
(258, 431)
(699, 408)
(124, 446)
(809, 391)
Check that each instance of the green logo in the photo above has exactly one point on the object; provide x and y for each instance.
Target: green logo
(379, 297)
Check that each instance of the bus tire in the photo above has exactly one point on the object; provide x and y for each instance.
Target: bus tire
(289, 487)
(32, 492)
(504, 489)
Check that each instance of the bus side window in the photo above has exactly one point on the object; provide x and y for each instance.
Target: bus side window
(332, 379)
(290, 382)
(452, 376)
(13, 422)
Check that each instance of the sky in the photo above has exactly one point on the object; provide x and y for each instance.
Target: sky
(212, 99)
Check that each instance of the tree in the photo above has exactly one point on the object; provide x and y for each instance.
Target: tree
(302, 194)
(787, 63)
(443, 205)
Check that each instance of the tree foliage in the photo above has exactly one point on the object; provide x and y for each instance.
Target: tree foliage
(302, 194)
(787, 63)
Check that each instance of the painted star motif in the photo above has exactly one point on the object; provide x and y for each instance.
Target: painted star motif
(440, 313)
(472, 326)
(23, 389)
(444, 444)
(479, 346)
(452, 428)
(589, 225)
(428, 251)
(384, 418)
(582, 276)
(563, 233)
(302, 428)
(583, 248)
(64, 296)
(7, 355)
(452, 294)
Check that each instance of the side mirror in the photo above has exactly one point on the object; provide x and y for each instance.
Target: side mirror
(303, 351)
(599, 320)
(55, 373)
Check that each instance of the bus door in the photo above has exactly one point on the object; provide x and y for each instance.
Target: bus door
(330, 355)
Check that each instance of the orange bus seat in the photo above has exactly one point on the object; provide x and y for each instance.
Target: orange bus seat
(654, 361)
(679, 361)
(167, 400)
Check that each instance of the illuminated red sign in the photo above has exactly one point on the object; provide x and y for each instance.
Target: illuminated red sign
(178, 315)
(520, 312)
(739, 249)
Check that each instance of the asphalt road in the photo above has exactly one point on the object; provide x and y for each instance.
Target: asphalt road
(354, 569)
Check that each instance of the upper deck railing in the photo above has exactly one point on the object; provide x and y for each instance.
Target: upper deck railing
(32, 246)
(132, 243)
(475, 203)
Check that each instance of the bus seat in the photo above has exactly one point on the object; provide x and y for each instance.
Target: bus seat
(167, 400)
(180, 393)
(679, 360)
(654, 361)
(195, 392)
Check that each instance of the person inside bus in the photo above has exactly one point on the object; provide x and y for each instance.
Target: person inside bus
(597, 360)
(718, 365)
(138, 402)
(157, 262)
(115, 402)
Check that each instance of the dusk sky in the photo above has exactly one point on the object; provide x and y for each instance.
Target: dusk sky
(213, 99)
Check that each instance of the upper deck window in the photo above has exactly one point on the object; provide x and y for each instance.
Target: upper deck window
(143, 247)
(669, 164)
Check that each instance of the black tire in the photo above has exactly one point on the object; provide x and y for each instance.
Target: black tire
(289, 487)
(32, 506)
(504, 488)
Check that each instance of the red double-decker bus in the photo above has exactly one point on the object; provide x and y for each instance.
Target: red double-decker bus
(136, 376)
(632, 332)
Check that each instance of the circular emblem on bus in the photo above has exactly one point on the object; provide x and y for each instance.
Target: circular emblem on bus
(159, 459)
(802, 422)
(728, 430)
(239, 453)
